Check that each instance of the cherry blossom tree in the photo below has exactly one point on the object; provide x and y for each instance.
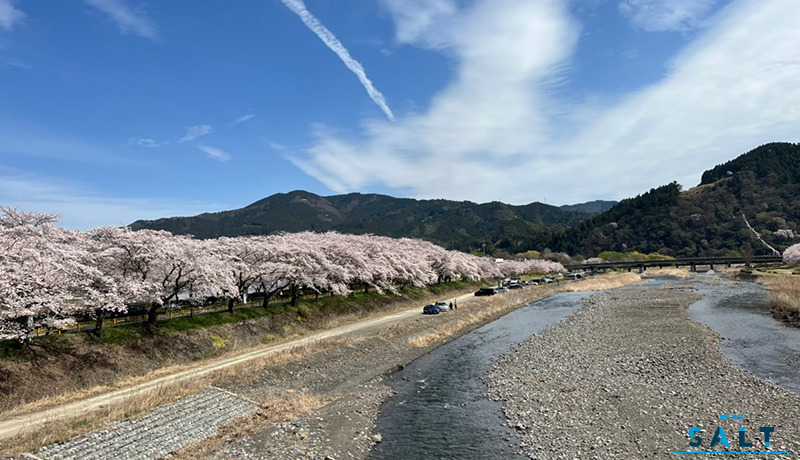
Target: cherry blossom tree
(791, 255)
(47, 275)
(162, 266)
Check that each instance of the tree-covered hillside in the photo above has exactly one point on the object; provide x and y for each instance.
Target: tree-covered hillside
(462, 225)
(762, 185)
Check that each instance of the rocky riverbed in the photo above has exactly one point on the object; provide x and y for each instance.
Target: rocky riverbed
(607, 383)
(611, 381)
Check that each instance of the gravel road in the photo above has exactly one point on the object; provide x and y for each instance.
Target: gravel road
(610, 382)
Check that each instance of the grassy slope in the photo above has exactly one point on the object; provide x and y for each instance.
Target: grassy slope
(81, 363)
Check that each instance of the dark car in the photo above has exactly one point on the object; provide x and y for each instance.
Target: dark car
(516, 286)
(430, 310)
(485, 291)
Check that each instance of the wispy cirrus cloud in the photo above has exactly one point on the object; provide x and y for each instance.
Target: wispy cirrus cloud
(146, 142)
(127, 19)
(82, 207)
(665, 15)
(214, 153)
(193, 132)
(9, 15)
(242, 119)
(498, 129)
(330, 40)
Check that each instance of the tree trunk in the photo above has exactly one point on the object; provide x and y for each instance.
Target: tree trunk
(98, 325)
(265, 302)
(230, 305)
(152, 314)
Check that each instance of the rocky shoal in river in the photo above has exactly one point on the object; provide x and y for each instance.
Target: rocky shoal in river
(610, 382)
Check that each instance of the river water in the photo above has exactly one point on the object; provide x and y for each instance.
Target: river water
(441, 410)
(753, 339)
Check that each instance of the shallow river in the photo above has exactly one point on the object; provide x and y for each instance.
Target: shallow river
(753, 339)
(441, 410)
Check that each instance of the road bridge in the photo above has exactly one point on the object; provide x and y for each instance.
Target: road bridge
(691, 262)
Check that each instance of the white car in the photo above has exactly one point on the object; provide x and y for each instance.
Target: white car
(442, 305)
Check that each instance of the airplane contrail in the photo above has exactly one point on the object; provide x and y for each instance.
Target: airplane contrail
(299, 8)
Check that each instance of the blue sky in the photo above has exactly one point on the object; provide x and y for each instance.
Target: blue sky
(117, 110)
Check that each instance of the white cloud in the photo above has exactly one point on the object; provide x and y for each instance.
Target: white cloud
(242, 119)
(426, 23)
(145, 142)
(9, 16)
(214, 153)
(496, 132)
(276, 146)
(327, 37)
(82, 208)
(193, 132)
(127, 19)
(665, 15)
(508, 53)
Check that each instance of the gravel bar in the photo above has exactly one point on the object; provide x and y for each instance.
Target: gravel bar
(611, 381)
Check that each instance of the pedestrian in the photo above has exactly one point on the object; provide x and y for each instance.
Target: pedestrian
(451, 306)
(455, 304)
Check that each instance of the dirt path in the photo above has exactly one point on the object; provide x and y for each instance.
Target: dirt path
(14, 425)
(316, 396)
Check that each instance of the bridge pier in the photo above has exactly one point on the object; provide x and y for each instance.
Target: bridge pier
(712, 266)
(693, 268)
(641, 269)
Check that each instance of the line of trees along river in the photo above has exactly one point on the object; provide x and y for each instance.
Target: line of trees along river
(51, 275)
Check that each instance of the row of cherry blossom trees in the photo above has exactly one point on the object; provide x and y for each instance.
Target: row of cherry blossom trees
(50, 275)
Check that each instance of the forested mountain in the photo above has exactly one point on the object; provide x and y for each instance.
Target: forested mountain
(591, 207)
(763, 185)
(460, 225)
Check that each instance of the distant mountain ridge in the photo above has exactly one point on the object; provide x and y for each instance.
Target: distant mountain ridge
(762, 185)
(462, 225)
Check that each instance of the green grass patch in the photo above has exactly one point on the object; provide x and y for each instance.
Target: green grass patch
(306, 310)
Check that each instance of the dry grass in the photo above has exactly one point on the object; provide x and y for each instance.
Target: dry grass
(63, 429)
(669, 271)
(784, 297)
(278, 405)
(275, 407)
(602, 282)
(50, 398)
(477, 311)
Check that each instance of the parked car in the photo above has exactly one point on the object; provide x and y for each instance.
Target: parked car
(430, 310)
(500, 289)
(574, 276)
(516, 286)
(485, 291)
(545, 279)
(531, 283)
(442, 305)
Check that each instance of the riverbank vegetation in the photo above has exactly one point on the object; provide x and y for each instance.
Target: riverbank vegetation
(784, 297)
(73, 366)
